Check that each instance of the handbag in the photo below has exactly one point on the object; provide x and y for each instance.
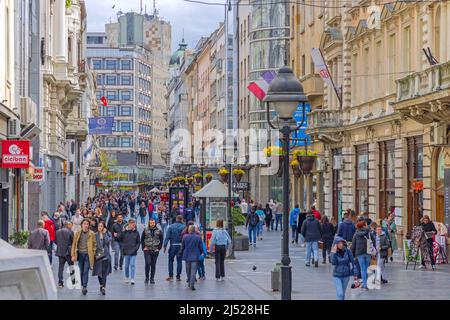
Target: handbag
(320, 243)
(370, 247)
(100, 254)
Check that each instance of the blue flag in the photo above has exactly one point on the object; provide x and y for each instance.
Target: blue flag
(101, 125)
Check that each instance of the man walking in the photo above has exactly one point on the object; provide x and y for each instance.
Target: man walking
(39, 238)
(251, 224)
(64, 239)
(279, 216)
(116, 244)
(312, 232)
(192, 249)
(293, 219)
(131, 241)
(83, 250)
(173, 235)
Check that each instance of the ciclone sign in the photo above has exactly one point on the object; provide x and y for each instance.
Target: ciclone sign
(16, 154)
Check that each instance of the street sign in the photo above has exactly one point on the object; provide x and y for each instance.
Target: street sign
(241, 186)
(300, 133)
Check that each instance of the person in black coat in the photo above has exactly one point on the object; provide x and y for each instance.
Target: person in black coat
(301, 219)
(131, 241)
(360, 248)
(327, 238)
(102, 265)
(312, 232)
(151, 243)
(268, 216)
(430, 230)
(63, 240)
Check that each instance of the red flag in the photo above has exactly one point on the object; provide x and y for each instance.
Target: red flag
(104, 101)
(256, 90)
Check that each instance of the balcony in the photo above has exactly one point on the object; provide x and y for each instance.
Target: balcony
(425, 95)
(325, 125)
(76, 129)
(312, 86)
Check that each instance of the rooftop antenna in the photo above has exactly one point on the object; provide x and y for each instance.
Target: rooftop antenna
(155, 11)
(141, 7)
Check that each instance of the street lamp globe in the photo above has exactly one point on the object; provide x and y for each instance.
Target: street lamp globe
(285, 93)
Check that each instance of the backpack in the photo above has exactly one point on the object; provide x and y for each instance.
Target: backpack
(254, 219)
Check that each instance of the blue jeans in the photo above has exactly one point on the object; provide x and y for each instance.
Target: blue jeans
(260, 228)
(142, 219)
(117, 248)
(314, 247)
(130, 267)
(272, 222)
(201, 268)
(340, 283)
(294, 231)
(252, 233)
(83, 263)
(364, 262)
(278, 219)
(174, 251)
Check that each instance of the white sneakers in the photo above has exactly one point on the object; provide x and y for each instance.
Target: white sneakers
(127, 281)
(132, 282)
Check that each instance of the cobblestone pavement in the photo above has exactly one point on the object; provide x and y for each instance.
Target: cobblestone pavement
(244, 283)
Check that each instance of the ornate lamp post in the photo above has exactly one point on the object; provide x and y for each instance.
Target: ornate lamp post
(284, 96)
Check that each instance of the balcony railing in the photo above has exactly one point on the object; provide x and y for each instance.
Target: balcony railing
(324, 119)
(420, 83)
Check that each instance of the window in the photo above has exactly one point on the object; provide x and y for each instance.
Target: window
(97, 64)
(111, 111)
(387, 177)
(111, 141)
(126, 80)
(362, 178)
(114, 127)
(111, 95)
(94, 40)
(111, 80)
(126, 111)
(126, 95)
(126, 64)
(303, 71)
(111, 64)
(392, 62)
(125, 126)
(99, 80)
(125, 142)
(99, 94)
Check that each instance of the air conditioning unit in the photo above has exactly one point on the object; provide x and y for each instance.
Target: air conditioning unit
(27, 111)
(14, 128)
(338, 162)
(438, 134)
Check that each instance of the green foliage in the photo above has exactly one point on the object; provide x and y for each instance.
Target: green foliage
(238, 217)
(19, 238)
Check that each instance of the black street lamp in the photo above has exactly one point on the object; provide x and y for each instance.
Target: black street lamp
(284, 95)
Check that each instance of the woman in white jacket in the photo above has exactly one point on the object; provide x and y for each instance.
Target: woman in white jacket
(76, 221)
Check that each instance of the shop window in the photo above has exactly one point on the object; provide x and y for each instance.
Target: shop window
(362, 179)
(387, 177)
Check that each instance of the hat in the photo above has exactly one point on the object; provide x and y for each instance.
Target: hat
(338, 239)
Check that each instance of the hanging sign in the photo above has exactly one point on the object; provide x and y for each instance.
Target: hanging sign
(35, 174)
(16, 154)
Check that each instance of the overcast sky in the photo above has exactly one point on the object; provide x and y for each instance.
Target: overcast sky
(196, 19)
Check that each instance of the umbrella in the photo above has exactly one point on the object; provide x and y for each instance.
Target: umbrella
(155, 190)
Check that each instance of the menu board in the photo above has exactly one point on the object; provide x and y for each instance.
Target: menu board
(447, 197)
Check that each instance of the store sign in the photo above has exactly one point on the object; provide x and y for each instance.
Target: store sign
(35, 174)
(16, 154)
(241, 186)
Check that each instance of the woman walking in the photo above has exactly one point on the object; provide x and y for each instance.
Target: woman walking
(430, 230)
(268, 217)
(363, 248)
(391, 227)
(142, 212)
(221, 239)
(327, 238)
(102, 266)
(151, 242)
(343, 262)
(76, 221)
(262, 216)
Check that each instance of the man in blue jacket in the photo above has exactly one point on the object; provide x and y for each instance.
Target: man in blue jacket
(346, 228)
(293, 219)
(173, 235)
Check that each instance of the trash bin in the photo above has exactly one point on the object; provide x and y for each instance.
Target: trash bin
(275, 275)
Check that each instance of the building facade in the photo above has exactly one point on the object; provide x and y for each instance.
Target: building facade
(383, 148)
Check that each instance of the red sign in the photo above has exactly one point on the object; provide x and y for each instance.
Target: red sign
(16, 154)
(104, 101)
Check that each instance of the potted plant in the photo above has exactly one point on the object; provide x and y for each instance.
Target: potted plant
(306, 160)
(189, 181)
(273, 152)
(295, 168)
(238, 173)
(19, 239)
(223, 173)
(198, 178)
(240, 241)
(208, 177)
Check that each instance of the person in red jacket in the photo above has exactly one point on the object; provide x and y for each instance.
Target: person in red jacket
(150, 207)
(49, 225)
(316, 213)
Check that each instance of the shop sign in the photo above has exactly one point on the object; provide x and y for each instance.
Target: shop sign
(417, 185)
(35, 174)
(241, 186)
(16, 154)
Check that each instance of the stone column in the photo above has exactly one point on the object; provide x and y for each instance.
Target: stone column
(309, 191)
(348, 179)
(427, 159)
(60, 30)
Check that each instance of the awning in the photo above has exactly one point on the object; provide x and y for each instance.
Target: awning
(155, 190)
(214, 189)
